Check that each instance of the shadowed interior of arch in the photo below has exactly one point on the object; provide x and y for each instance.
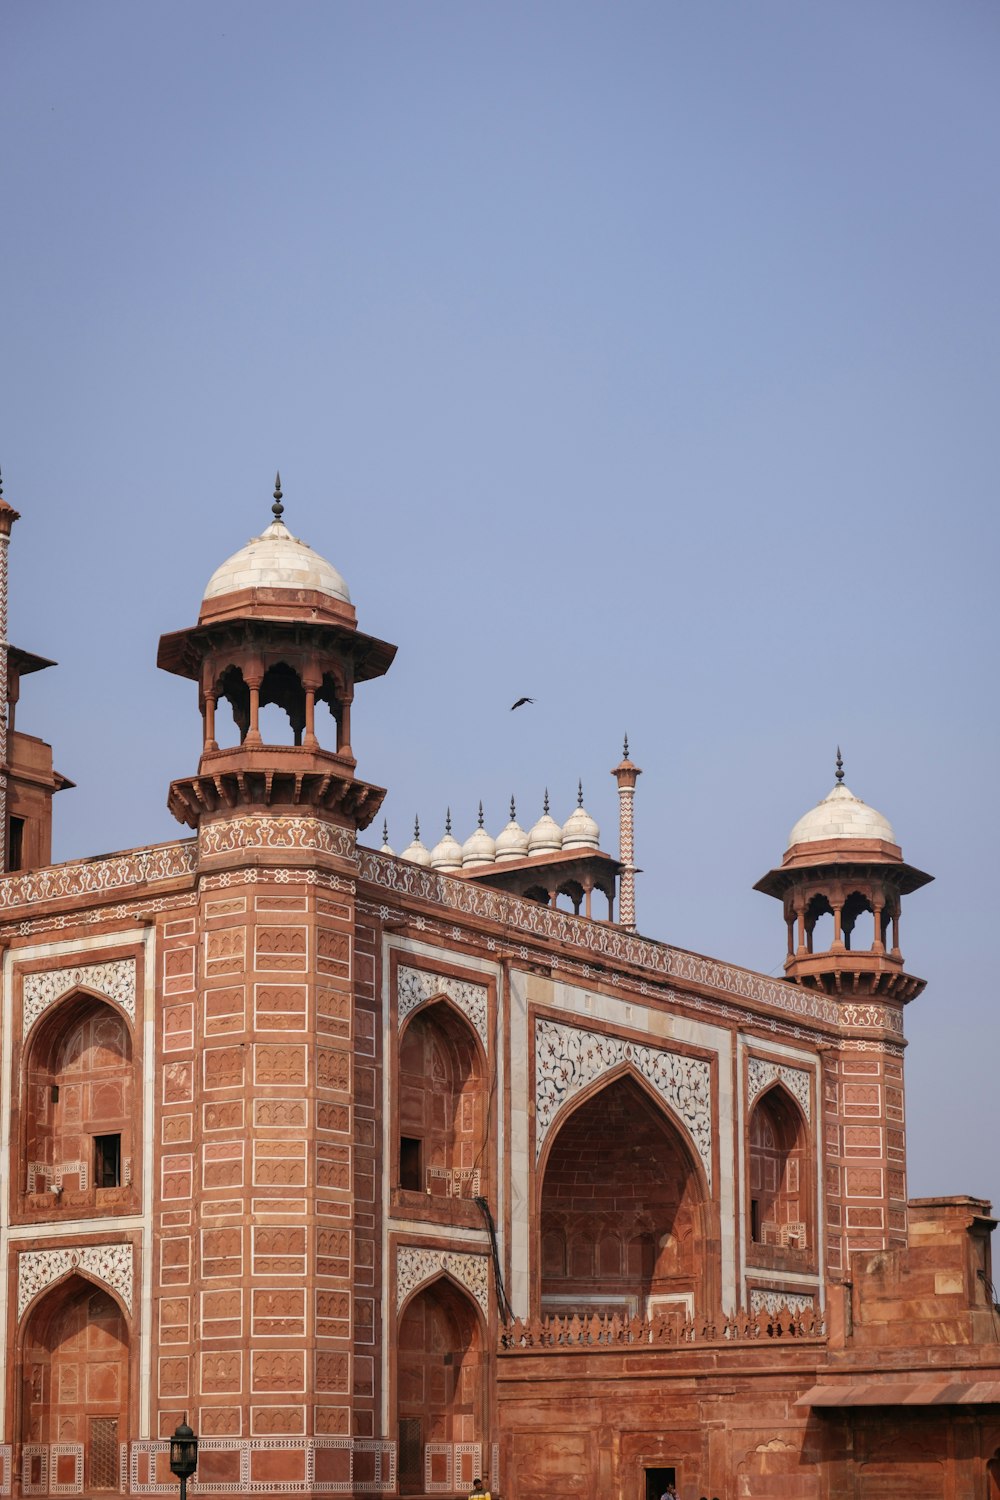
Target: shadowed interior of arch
(621, 1222)
(441, 1371)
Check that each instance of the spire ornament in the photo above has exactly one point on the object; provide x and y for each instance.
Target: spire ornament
(277, 508)
(579, 792)
(447, 821)
(480, 813)
(840, 767)
(545, 803)
(513, 810)
(625, 754)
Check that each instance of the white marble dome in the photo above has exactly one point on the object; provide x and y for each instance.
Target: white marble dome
(579, 830)
(447, 852)
(512, 841)
(277, 560)
(546, 835)
(416, 852)
(841, 815)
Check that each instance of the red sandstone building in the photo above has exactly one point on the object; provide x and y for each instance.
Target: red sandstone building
(385, 1172)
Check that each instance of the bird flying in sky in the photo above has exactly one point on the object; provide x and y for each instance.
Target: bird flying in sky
(520, 703)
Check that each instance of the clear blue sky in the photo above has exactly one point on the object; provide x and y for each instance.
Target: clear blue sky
(640, 357)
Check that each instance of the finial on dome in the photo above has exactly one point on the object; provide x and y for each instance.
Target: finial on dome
(385, 830)
(513, 810)
(416, 829)
(1, 484)
(840, 765)
(480, 813)
(626, 746)
(447, 821)
(545, 803)
(579, 793)
(277, 507)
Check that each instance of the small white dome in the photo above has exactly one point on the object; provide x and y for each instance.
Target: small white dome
(512, 841)
(277, 560)
(479, 848)
(579, 830)
(546, 835)
(447, 853)
(416, 852)
(841, 815)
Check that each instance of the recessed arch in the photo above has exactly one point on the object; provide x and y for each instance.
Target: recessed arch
(779, 1178)
(621, 1188)
(442, 1098)
(441, 1382)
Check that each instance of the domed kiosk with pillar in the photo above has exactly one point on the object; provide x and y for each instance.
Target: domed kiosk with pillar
(843, 863)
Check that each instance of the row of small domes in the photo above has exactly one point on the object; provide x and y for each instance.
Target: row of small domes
(545, 837)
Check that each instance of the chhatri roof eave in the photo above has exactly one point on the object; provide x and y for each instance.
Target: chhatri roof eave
(182, 651)
(832, 858)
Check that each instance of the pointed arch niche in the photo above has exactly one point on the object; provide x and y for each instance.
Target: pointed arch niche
(625, 1217)
(79, 1103)
(74, 1389)
(442, 1373)
(442, 1087)
(780, 1229)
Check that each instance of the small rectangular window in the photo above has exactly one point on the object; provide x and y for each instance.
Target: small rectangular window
(409, 1163)
(755, 1220)
(107, 1161)
(15, 846)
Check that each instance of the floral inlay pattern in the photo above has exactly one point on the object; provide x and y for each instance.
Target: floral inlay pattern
(115, 980)
(414, 986)
(277, 833)
(566, 1060)
(414, 1267)
(761, 1074)
(772, 1302)
(37, 1269)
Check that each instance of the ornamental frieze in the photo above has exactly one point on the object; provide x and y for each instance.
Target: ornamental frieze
(114, 980)
(414, 986)
(99, 876)
(414, 1267)
(567, 1060)
(761, 1074)
(262, 832)
(37, 1269)
(773, 1302)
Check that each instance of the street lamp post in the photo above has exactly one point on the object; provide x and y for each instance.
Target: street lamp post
(183, 1455)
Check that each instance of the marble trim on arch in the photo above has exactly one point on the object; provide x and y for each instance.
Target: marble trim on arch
(567, 1059)
(414, 986)
(761, 1073)
(114, 980)
(265, 832)
(415, 1266)
(611, 944)
(37, 1269)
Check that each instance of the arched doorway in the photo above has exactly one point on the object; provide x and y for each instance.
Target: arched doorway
(441, 1385)
(622, 1212)
(74, 1410)
(78, 1096)
(780, 1192)
(441, 1105)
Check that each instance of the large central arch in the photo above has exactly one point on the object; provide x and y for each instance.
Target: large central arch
(624, 1214)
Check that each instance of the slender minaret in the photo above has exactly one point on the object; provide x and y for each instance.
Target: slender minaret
(626, 774)
(8, 515)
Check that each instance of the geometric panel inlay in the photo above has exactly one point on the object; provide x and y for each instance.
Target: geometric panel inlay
(770, 1302)
(116, 980)
(414, 986)
(414, 1267)
(37, 1269)
(760, 1074)
(567, 1060)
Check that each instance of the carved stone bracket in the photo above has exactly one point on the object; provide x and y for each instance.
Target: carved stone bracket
(761, 1074)
(37, 1269)
(567, 1060)
(115, 981)
(414, 986)
(415, 1266)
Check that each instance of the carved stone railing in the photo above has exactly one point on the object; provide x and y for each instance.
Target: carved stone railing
(602, 1331)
